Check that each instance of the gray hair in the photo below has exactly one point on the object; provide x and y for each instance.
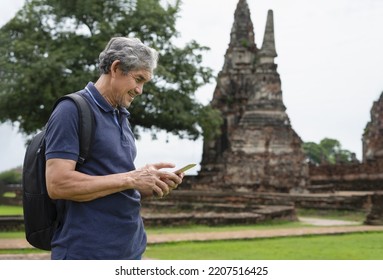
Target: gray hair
(132, 54)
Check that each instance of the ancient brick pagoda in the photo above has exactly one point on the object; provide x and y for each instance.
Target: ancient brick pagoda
(257, 150)
(257, 154)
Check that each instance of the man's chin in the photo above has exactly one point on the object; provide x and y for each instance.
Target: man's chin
(129, 101)
(127, 104)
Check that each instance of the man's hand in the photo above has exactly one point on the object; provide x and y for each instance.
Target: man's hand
(151, 180)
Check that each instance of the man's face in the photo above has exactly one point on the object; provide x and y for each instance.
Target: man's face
(126, 87)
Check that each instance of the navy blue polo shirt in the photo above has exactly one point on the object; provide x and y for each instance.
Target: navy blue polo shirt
(109, 227)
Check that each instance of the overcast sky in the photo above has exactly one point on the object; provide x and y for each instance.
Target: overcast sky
(330, 59)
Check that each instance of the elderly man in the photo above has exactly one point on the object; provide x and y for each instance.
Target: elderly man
(101, 198)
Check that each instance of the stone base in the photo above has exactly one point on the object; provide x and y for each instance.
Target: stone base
(214, 218)
(375, 217)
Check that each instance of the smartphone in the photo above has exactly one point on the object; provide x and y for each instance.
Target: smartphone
(186, 167)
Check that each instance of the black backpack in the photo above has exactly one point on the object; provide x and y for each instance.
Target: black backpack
(41, 216)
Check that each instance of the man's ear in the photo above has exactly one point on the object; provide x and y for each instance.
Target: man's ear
(114, 67)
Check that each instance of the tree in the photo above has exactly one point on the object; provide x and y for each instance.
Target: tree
(327, 151)
(50, 48)
(12, 176)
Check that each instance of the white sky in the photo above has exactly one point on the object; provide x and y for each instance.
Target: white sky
(330, 59)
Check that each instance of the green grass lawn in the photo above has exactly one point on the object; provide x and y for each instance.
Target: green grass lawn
(358, 246)
(354, 246)
(12, 234)
(10, 210)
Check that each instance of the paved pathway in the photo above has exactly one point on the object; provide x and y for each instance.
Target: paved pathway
(323, 226)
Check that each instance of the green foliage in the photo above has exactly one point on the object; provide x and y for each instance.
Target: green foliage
(328, 151)
(50, 48)
(244, 43)
(12, 176)
(213, 118)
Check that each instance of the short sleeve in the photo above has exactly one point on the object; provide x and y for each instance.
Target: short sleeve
(62, 140)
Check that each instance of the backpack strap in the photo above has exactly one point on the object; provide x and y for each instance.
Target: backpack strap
(86, 123)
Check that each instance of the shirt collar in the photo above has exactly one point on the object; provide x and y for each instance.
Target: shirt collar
(100, 100)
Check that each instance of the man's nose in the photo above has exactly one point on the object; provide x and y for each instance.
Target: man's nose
(139, 89)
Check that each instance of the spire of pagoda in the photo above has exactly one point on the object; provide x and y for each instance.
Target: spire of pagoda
(268, 47)
(242, 32)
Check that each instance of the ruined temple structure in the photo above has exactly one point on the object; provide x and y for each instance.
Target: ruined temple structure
(257, 150)
(372, 137)
(365, 176)
(256, 170)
